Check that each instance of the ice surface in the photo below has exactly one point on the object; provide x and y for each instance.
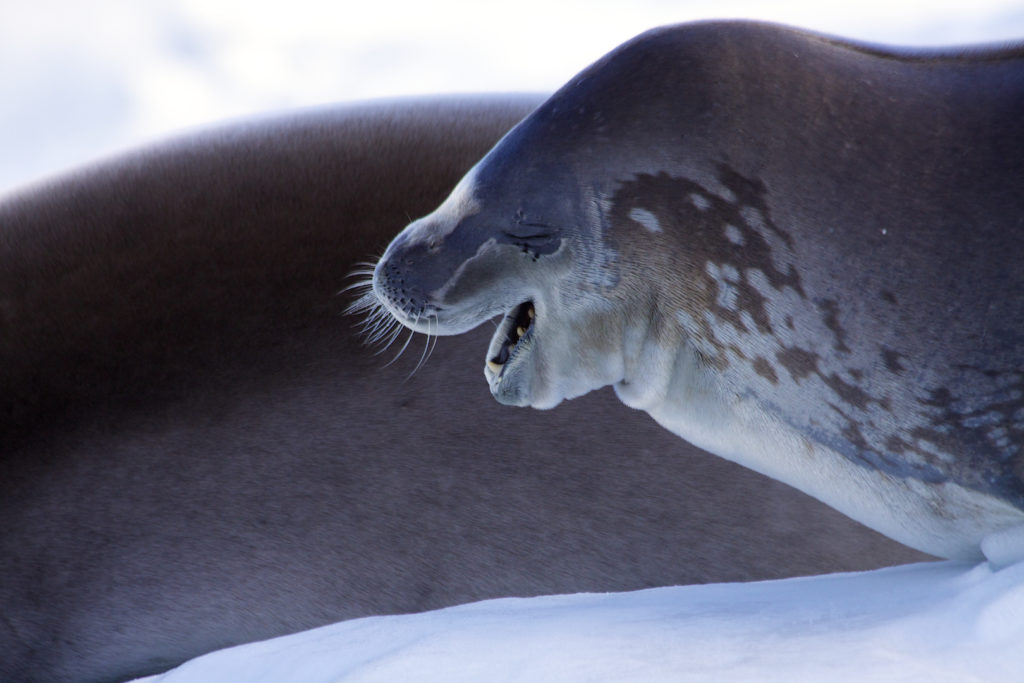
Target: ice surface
(931, 622)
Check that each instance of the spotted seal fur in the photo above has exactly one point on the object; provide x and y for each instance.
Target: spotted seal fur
(801, 253)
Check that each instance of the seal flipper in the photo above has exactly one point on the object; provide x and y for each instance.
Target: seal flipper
(1005, 547)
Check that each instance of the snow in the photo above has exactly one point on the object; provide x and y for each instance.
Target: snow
(934, 622)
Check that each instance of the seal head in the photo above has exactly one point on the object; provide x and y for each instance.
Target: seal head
(529, 255)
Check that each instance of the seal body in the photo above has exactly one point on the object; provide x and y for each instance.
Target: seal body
(197, 449)
(800, 253)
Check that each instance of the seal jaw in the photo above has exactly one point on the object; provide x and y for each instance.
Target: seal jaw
(509, 352)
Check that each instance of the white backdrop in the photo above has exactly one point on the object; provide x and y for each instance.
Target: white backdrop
(82, 78)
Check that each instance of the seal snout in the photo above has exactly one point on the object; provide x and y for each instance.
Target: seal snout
(514, 328)
(399, 285)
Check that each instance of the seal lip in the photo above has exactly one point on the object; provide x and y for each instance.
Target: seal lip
(513, 336)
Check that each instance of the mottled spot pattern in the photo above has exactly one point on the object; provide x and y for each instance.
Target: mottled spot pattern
(724, 239)
(740, 297)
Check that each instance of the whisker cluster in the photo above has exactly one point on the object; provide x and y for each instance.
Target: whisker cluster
(379, 326)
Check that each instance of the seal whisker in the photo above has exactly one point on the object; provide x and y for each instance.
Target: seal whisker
(364, 271)
(367, 282)
(364, 302)
(433, 344)
(426, 349)
(355, 286)
(393, 334)
(377, 326)
(378, 323)
(381, 331)
(408, 339)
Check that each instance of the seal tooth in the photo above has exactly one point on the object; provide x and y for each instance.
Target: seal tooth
(495, 367)
(529, 312)
(520, 331)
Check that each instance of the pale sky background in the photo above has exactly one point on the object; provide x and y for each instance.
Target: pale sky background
(80, 79)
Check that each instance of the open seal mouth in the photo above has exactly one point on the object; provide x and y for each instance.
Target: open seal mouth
(511, 337)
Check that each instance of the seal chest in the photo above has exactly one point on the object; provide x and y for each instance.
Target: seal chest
(799, 253)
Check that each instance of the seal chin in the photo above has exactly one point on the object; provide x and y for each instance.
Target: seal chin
(508, 356)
